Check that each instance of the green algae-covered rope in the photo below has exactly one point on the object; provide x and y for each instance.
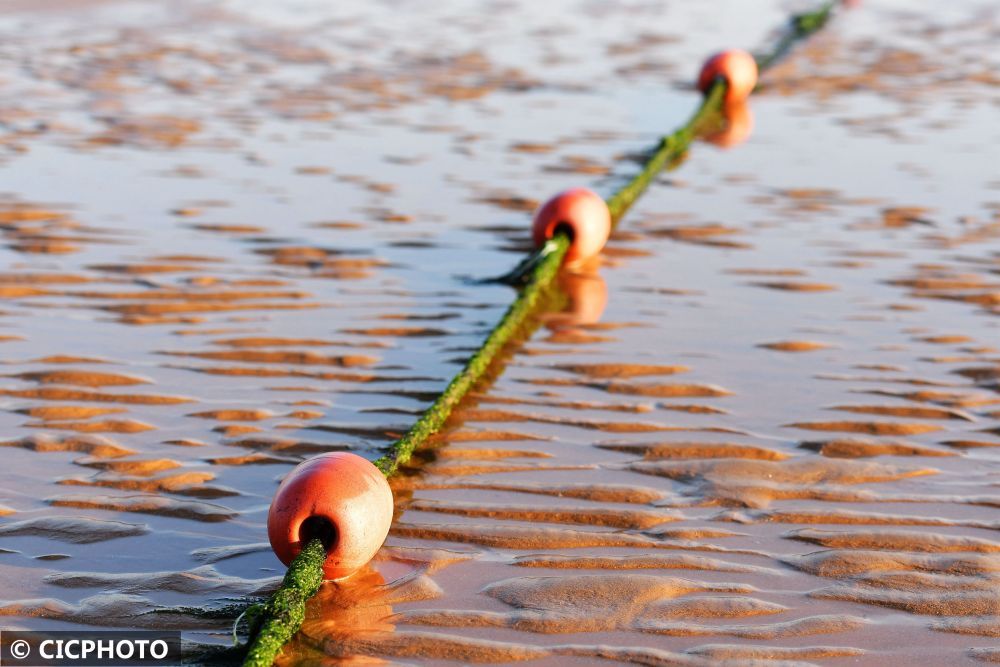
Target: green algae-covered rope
(277, 620)
(512, 321)
(282, 615)
(670, 149)
(800, 27)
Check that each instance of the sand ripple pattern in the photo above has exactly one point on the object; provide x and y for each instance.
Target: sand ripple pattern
(761, 430)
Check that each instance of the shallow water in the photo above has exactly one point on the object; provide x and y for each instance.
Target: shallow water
(762, 427)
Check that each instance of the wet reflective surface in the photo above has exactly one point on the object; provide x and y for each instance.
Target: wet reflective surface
(764, 426)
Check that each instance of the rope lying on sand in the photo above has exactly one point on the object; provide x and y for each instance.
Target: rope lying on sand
(275, 621)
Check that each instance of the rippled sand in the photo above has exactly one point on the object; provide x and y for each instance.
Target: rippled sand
(761, 429)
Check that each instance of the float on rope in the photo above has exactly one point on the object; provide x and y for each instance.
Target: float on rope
(737, 67)
(582, 214)
(339, 498)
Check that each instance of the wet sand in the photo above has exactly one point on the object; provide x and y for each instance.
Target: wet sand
(761, 429)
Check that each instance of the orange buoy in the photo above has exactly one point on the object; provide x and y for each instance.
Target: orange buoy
(342, 499)
(583, 214)
(738, 127)
(737, 67)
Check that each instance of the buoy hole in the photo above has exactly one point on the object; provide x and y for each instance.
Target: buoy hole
(563, 227)
(319, 527)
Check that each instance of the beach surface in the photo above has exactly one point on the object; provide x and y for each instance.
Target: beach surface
(762, 426)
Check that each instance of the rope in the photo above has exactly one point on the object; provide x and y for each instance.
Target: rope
(275, 621)
(282, 615)
(799, 27)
